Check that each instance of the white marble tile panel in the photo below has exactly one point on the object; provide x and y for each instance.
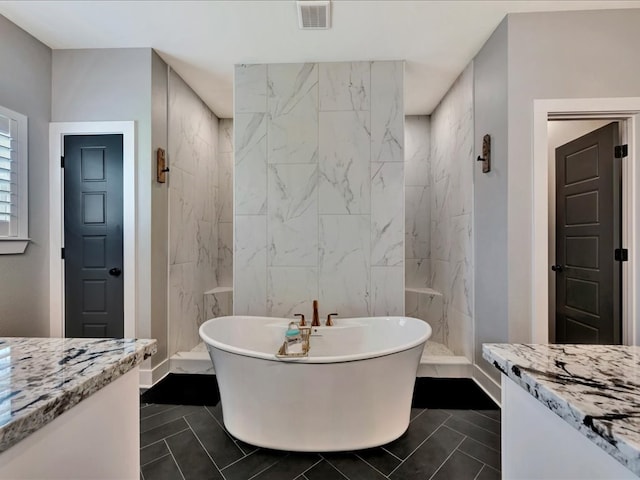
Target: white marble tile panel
(462, 287)
(225, 135)
(417, 146)
(387, 111)
(293, 113)
(431, 310)
(250, 89)
(387, 214)
(411, 304)
(291, 290)
(182, 235)
(225, 254)
(225, 187)
(217, 305)
(460, 332)
(344, 264)
(203, 205)
(250, 183)
(441, 277)
(387, 291)
(417, 222)
(345, 149)
(344, 85)
(417, 272)
(293, 215)
(441, 240)
(207, 260)
(250, 265)
(185, 308)
(461, 239)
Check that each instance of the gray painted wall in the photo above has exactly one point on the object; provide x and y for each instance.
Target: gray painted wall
(115, 85)
(25, 87)
(599, 58)
(490, 195)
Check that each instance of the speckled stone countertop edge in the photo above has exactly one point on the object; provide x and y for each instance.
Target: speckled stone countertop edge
(21, 428)
(624, 452)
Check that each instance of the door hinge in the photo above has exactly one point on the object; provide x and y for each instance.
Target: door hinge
(621, 151)
(62, 162)
(621, 255)
(62, 253)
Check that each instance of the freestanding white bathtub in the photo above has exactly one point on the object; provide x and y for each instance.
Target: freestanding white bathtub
(353, 391)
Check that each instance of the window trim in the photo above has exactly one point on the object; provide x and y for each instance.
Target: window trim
(18, 244)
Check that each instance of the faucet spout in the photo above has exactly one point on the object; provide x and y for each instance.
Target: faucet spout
(316, 319)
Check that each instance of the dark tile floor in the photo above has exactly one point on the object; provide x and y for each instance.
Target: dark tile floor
(187, 442)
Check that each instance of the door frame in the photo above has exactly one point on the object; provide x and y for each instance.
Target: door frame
(57, 132)
(627, 109)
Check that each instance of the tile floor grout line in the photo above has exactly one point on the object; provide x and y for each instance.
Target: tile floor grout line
(240, 459)
(174, 461)
(478, 474)
(266, 468)
(157, 458)
(448, 457)
(362, 459)
(492, 420)
(164, 438)
(160, 413)
(487, 416)
(477, 426)
(235, 441)
(205, 450)
(320, 459)
(475, 440)
(162, 424)
(423, 410)
(421, 443)
(333, 466)
(391, 453)
(482, 461)
(141, 474)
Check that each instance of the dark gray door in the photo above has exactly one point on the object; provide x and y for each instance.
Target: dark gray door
(588, 230)
(93, 236)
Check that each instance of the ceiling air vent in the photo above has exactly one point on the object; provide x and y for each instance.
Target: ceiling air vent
(314, 14)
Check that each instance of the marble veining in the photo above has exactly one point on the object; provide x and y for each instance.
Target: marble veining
(450, 189)
(316, 209)
(197, 140)
(594, 388)
(41, 378)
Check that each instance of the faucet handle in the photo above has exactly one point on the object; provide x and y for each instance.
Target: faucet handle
(329, 320)
(302, 322)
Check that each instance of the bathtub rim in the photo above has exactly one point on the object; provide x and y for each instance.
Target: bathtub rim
(210, 342)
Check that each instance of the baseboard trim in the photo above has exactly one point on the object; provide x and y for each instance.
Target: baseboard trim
(150, 376)
(488, 384)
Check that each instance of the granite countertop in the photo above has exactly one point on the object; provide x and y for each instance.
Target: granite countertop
(594, 388)
(40, 378)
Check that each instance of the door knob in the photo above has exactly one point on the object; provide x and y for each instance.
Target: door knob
(115, 272)
(557, 268)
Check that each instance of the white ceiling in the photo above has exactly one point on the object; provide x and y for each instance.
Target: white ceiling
(202, 40)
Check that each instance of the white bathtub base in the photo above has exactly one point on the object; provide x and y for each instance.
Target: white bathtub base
(328, 407)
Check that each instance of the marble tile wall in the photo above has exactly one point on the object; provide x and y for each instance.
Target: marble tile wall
(451, 194)
(225, 204)
(319, 188)
(417, 201)
(194, 210)
(428, 307)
